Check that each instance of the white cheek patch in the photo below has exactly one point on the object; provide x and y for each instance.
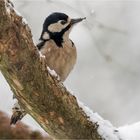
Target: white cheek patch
(46, 36)
(57, 27)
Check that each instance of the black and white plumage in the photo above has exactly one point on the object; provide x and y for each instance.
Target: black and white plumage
(59, 51)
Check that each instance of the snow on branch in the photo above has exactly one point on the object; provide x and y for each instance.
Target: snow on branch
(37, 88)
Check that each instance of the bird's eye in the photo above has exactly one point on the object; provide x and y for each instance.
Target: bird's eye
(63, 22)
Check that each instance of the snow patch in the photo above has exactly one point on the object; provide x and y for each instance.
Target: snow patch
(130, 132)
(23, 19)
(9, 6)
(41, 55)
(52, 72)
(18, 13)
(105, 129)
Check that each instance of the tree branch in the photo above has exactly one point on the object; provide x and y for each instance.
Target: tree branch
(41, 95)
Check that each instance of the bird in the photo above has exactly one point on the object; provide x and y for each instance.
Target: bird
(58, 49)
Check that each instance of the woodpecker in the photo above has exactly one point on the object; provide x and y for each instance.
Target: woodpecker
(57, 48)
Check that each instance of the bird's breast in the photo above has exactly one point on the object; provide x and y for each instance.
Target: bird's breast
(60, 59)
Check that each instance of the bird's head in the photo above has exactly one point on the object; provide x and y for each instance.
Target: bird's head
(57, 26)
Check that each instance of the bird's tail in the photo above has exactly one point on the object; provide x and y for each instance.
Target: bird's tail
(17, 116)
(18, 113)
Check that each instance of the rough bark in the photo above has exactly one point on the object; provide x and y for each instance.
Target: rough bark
(40, 94)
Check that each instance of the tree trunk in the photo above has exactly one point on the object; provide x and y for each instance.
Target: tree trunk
(40, 94)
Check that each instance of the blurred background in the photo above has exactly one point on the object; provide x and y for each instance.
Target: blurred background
(107, 74)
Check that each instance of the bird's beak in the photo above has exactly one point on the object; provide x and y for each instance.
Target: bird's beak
(77, 20)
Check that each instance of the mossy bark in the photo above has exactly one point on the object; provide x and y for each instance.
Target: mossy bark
(40, 94)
